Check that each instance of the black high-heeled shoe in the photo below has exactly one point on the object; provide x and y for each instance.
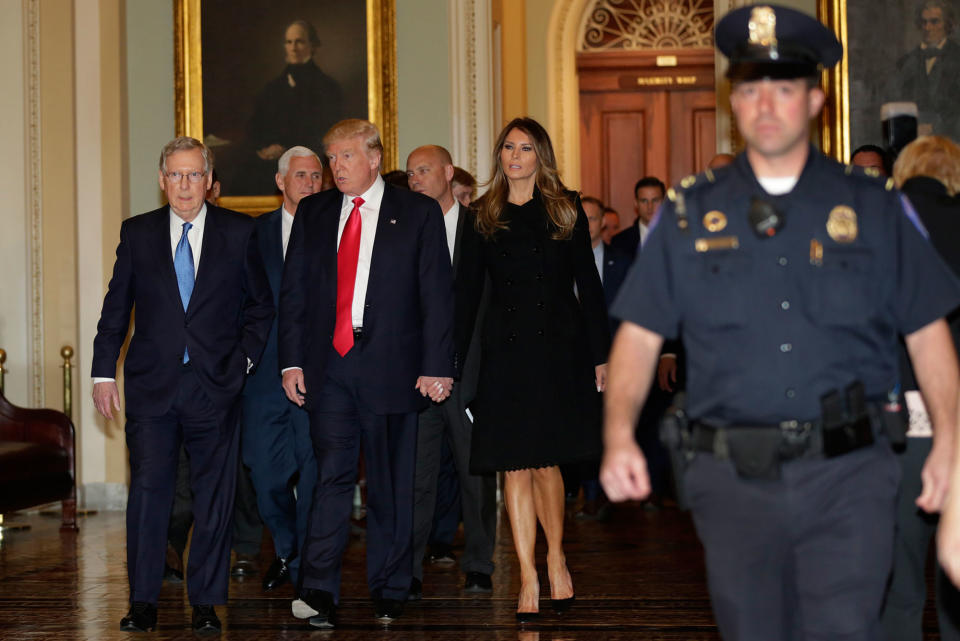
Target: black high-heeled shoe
(562, 606)
(527, 617)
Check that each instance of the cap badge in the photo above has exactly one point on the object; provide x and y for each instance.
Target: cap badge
(715, 221)
(763, 29)
(842, 224)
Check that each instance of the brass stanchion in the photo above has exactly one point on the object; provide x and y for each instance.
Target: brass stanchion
(67, 353)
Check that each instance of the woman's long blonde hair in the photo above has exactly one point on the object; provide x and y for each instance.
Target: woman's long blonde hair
(560, 211)
(934, 156)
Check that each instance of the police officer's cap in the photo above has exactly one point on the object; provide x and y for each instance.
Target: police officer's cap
(770, 41)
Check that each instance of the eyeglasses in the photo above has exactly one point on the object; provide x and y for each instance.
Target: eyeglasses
(193, 176)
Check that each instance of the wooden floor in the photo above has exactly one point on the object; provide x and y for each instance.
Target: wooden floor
(639, 576)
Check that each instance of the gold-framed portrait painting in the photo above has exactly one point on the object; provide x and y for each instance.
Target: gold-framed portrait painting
(254, 79)
(894, 51)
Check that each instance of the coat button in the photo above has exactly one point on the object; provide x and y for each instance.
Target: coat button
(786, 347)
(539, 332)
(536, 250)
(790, 393)
(541, 305)
(539, 276)
(782, 261)
(785, 305)
(508, 283)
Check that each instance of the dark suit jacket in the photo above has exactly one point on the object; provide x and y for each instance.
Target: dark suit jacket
(615, 266)
(936, 94)
(225, 324)
(408, 313)
(628, 241)
(265, 379)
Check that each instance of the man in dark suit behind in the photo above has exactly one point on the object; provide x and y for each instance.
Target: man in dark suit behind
(430, 171)
(275, 444)
(366, 315)
(648, 193)
(195, 340)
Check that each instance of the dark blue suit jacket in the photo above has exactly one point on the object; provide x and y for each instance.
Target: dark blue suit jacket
(408, 314)
(615, 266)
(265, 379)
(225, 324)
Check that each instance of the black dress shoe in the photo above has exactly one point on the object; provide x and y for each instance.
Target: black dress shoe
(416, 589)
(562, 606)
(387, 610)
(277, 574)
(205, 620)
(316, 606)
(245, 565)
(171, 575)
(477, 582)
(142, 617)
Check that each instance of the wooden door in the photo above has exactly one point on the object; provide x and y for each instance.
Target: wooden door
(639, 119)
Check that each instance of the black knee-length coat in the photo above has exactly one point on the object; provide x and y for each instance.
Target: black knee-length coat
(536, 402)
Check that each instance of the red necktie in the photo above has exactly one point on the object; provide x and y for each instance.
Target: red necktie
(347, 256)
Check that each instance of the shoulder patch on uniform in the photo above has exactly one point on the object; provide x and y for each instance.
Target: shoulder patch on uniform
(912, 216)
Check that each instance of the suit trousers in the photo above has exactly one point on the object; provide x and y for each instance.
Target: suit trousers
(902, 617)
(247, 526)
(478, 494)
(210, 436)
(340, 424)
(805, 557)
(276, 446)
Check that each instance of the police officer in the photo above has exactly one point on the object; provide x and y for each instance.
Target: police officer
(788, 277)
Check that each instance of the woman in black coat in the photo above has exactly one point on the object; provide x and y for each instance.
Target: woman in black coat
(928, 174)
(544, 344)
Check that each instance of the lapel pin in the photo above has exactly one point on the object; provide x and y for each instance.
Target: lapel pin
(393, 221)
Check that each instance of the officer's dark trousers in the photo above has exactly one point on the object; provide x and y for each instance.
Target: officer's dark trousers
(277, 448)
(210, 435)
(478, 500)
(803, 558)
(902, 617)
(339, 424)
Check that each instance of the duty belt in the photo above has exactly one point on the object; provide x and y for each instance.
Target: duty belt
(758, 450)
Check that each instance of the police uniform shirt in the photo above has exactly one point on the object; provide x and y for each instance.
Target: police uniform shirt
(770, 324)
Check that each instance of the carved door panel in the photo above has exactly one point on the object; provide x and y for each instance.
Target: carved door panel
(640, 120)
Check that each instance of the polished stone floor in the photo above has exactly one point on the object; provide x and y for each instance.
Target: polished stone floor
(638, 576)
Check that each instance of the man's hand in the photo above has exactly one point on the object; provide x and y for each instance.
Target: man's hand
(667, 372)
(271, 152)
(936, 475)
(436, 387)
(948, 536)
(623, 472)
(601, 376)
(106, 398)
(293, 385)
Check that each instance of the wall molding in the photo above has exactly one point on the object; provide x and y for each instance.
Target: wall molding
(34, 240)
(103, 496)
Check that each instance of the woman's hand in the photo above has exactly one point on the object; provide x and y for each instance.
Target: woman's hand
(601, 374)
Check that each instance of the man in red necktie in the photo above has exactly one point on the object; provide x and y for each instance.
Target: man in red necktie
(365, 338)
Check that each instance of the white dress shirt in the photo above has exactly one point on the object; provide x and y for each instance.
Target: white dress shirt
(644, 230)
(194, 237)
(450, 218)
(369, 216)
(286, 224)
(598, 259)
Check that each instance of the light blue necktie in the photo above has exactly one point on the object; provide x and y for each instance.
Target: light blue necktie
(183, 264)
